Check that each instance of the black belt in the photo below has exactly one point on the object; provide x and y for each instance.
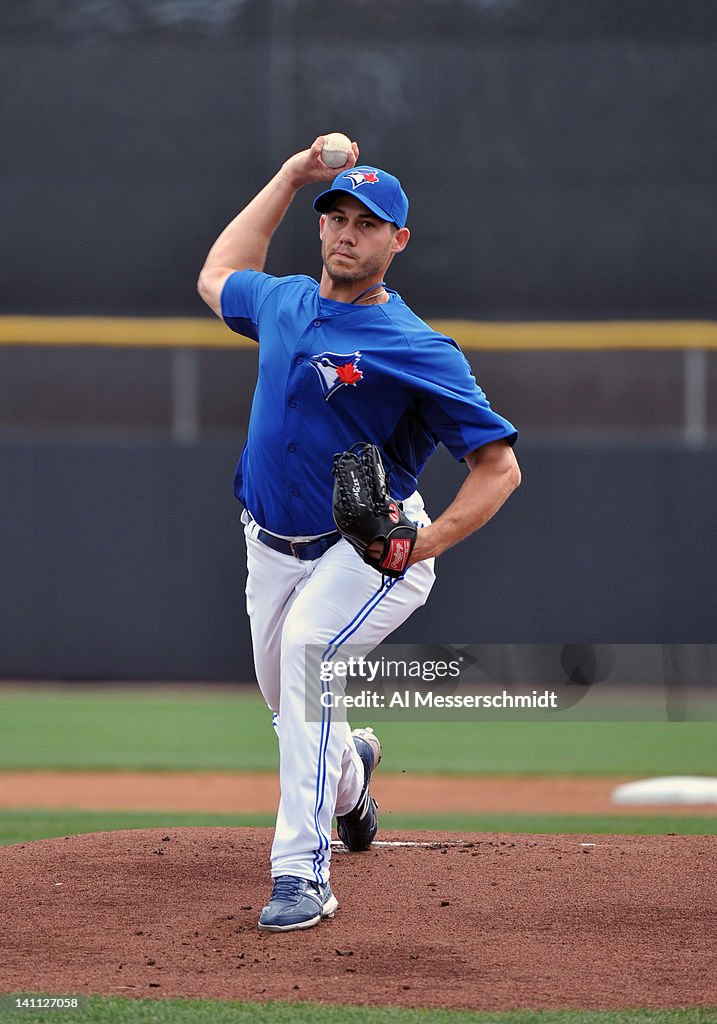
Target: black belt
(305, 551)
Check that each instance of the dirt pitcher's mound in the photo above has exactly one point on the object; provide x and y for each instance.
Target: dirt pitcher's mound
(482, 922)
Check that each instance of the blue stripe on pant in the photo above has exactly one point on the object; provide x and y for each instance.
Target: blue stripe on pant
(331, 650)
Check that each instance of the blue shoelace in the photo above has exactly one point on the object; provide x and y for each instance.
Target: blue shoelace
(286, 887)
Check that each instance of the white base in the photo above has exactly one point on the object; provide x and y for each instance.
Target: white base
(673, 789)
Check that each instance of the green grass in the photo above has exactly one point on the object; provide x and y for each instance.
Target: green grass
(119, 729)
(113, 729)
(84, 729)
(98, 1010)
(24, 826)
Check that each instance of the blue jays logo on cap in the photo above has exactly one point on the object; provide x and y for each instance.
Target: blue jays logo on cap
(362, 178)
(378, 190)
(336, 370)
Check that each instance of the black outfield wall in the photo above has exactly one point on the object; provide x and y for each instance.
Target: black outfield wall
(124, 562)
(560, 157)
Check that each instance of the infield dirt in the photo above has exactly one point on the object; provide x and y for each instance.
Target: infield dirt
(481, 922)
(258, 793)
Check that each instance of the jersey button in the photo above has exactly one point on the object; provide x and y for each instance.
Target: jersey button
(292, 447)
(299, 360)
(293, 404)
(317, 323)
(295, 491)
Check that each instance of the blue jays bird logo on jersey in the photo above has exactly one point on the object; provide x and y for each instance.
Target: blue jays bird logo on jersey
(336, 370)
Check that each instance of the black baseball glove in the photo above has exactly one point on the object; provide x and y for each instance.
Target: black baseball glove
(364, 511)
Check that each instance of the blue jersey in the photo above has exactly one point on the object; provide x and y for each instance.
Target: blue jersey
(331, 374)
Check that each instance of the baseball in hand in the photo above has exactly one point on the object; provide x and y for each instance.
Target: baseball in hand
(336, 150)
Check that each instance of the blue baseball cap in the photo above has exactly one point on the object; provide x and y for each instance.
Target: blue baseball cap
(378, 190)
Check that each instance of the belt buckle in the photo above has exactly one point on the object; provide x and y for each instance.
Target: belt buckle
(294, 552)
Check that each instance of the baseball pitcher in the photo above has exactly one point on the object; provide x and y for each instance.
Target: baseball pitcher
(354, 393)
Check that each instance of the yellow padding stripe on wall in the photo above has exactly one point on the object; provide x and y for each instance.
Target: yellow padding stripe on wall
(595, 335)
(200, 332)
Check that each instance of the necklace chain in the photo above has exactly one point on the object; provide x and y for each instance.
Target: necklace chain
(365, 298)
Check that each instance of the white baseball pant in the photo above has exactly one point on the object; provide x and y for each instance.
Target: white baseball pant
(333, 600)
